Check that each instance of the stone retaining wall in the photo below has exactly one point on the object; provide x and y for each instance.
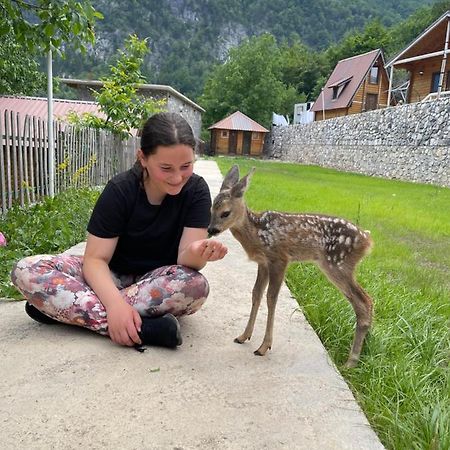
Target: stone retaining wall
(409, 142)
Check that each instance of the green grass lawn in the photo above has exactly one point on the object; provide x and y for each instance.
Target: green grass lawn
(402, 381)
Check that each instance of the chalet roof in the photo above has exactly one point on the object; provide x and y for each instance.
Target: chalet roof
(37, 106)
(72, 82)
(350, 72)
(429, 42)
(239, 121)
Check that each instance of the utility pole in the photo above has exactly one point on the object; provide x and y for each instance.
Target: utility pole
(51, 141)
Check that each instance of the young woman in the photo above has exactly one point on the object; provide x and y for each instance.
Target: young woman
(147, 240)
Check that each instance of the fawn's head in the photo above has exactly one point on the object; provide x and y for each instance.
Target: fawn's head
(228, 207)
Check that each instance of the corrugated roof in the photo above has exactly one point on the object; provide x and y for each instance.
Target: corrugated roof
(240, 122)
(37, 106)
(354, 70)
(72, 82)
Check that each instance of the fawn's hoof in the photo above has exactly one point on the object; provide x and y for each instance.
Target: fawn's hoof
(261, 351)
(239, 340)
(351, 363)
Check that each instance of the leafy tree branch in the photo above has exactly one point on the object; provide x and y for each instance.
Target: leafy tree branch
(124, 109)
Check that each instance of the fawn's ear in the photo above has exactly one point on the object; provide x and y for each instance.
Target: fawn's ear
(241, 186)
(231, 178)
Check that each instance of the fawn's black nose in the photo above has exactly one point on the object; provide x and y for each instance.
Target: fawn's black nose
(213, 231)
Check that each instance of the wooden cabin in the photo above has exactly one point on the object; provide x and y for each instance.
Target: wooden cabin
(237, 135)
(356, 85)
(426, 60)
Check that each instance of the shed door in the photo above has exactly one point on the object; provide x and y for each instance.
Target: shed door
(247, 142)
(213, 141)
(232, 142)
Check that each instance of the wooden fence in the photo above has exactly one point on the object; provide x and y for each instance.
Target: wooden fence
(86, 157)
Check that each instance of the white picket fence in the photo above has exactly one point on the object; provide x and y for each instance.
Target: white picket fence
(86, 157)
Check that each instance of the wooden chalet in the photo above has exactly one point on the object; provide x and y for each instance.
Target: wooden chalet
(237, 134)
(356, 85)
(426, 60)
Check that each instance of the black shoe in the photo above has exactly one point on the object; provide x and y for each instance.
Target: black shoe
(38, 316)
(162, 331)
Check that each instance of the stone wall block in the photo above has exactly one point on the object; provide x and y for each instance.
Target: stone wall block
(408, 142)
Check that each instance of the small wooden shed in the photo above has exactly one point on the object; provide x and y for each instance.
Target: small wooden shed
(356, 85)
(426, 60)
(237, 134)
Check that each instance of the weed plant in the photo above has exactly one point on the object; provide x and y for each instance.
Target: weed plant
(402, 381)
(48, 227)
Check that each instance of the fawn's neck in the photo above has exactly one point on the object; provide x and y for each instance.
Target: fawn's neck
(246, 232)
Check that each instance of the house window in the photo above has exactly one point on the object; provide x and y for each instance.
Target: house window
(373, 77)
(339, 87)
(225, 134)
(256, 136)
(435, 82)
(337, 90)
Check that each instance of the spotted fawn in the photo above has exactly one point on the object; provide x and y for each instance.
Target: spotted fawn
(274, 239)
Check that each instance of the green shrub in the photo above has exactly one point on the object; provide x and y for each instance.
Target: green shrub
(47, 227)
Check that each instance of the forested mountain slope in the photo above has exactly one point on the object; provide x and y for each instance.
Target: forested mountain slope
(187, 36)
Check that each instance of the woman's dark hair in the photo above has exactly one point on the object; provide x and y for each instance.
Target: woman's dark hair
(165, 129)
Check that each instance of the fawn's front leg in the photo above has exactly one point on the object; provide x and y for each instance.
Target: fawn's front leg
(276, 276)
(257, 293)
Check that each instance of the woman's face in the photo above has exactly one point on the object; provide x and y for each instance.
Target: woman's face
(169, 169)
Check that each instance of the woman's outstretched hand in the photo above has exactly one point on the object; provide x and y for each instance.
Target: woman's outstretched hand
(209, 249)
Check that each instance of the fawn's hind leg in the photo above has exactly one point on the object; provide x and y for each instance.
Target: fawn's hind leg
(343, 279)
(258, 289)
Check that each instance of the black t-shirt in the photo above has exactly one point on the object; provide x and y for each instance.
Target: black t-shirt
(149, 235)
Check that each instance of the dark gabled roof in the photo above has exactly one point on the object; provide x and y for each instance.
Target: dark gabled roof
(240, 122)
(351, 72)
(424, 44)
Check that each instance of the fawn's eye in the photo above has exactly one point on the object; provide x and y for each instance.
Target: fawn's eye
(225, 214)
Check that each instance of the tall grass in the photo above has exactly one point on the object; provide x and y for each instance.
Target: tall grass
(403, 379)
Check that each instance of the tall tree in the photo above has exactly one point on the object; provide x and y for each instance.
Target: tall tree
(373, 36)
(29, 27)
(48, 24)
(250, 81)
(124, 109)
(19, 72)
(301, 68)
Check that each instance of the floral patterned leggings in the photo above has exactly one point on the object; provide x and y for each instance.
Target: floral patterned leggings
(55, 285)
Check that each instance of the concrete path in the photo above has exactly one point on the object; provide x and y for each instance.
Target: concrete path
(64, 388)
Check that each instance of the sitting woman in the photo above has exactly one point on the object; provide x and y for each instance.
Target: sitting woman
(147, 240)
